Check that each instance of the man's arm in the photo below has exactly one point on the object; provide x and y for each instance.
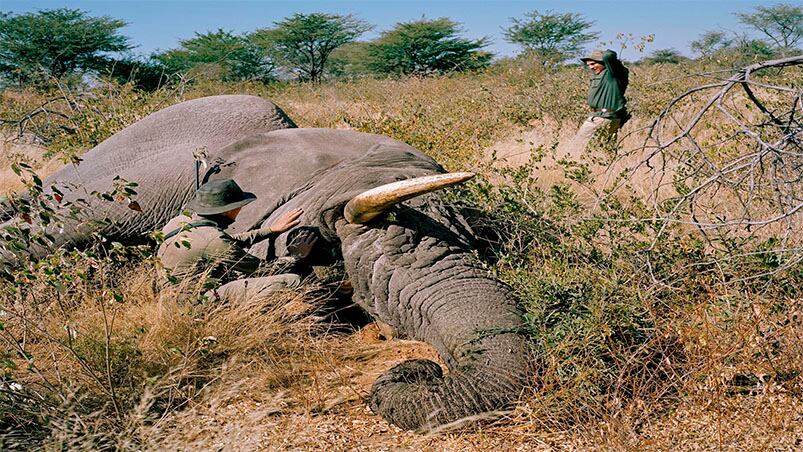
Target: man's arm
(612, 64)
(228, 255)
(283, 224)
(248, 238)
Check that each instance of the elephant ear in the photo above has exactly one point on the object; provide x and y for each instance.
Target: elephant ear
(369, 204)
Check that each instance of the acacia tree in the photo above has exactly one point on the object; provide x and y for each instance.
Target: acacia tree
(710, 42)
(303, 43)
(350, 60)
(750, 50)
(219, 54)
(666, 56)
(426, 46)
(739, 49)
(781, 23)
(56, 43)
(553, 36)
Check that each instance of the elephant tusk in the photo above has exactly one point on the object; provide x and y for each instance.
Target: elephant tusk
(369, 204)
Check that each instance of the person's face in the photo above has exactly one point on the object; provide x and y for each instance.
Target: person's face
(595, 66)
(232, 214)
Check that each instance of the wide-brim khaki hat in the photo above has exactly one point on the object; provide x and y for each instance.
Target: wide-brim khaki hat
(219, 196)
(596, 55)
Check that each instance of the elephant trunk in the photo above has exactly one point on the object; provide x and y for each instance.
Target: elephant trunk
(433, 292)
(479, 335)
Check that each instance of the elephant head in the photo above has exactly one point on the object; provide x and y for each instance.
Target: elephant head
(411, 267)
(408, 256)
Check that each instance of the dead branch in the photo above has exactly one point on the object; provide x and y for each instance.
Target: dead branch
(733, 167)
(28, 124)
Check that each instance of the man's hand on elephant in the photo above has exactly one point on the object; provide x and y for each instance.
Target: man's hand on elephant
(287, 221)
(302, 244)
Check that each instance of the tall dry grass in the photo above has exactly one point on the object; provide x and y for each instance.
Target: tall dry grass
(682, 353)
(106, 360)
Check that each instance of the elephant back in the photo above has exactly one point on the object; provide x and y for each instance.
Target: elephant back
(166, 139)
(157, 153)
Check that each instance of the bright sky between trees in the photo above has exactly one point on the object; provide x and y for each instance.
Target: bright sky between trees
(161, 24)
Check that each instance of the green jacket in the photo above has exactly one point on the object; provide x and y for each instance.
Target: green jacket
(202, 245)
(607, 89)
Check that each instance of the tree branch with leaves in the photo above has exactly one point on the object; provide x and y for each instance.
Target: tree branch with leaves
(781, 23)
(56, 43)
(553, 36)
(302, 43)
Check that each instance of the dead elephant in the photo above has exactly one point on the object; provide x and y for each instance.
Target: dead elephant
(407, 253)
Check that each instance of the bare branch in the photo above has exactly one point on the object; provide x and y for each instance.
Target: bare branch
(731, 166)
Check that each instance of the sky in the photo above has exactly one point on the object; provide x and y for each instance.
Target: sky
(160, 25)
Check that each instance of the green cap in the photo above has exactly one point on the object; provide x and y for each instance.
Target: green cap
(594, 56)
(219, 196)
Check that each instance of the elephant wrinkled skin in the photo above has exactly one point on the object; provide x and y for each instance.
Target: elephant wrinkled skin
(413, 269)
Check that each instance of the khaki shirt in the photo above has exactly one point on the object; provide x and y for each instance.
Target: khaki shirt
(196, 250)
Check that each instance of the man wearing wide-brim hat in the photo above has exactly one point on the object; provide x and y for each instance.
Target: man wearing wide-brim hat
(606, 100)
(198, 245)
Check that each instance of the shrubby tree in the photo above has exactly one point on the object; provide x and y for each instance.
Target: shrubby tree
(350, 60)
(749, 50)
(737, 49)
(145, 75)
(553, 36)
(782, 24)
(57, 43)
(303, 43)
(710, 42)
(670, 56)
(425, 47)
(218, 55)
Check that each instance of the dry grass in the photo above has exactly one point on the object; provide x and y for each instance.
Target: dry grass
(117, 350)
(266, 375)
(699, 363)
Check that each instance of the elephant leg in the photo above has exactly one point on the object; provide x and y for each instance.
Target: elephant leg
(247, 289)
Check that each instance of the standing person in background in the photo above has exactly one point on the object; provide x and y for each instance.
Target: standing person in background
(606, 98)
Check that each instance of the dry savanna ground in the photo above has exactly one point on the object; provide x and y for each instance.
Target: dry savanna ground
(680, 355)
